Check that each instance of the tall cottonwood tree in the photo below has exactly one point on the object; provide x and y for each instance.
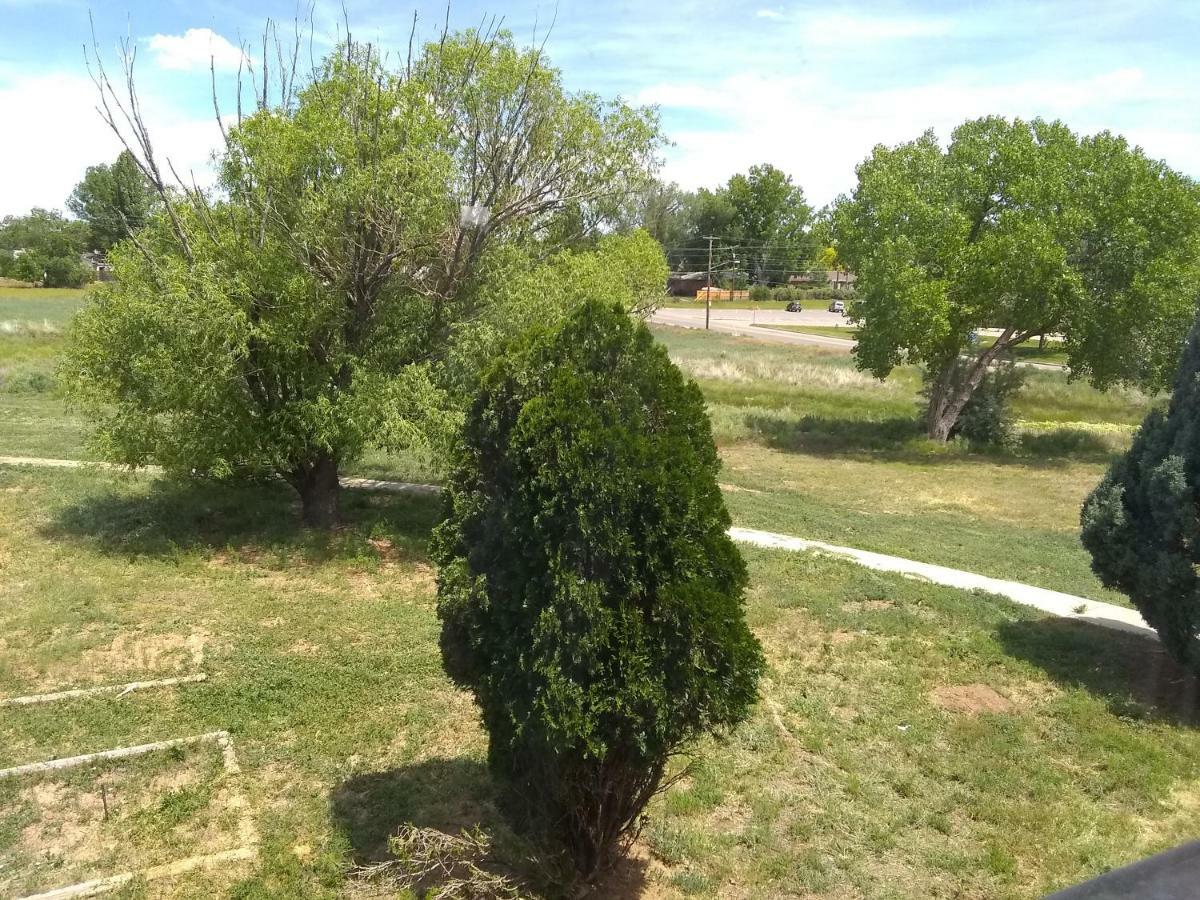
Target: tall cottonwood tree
(307, 308)
(114, 200)
(1026, 228)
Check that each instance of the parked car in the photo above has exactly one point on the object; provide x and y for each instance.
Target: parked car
(837, 306)
(795, 306)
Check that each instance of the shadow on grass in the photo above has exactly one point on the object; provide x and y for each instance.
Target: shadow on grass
(1133, 674)
(902, 439)
(451, 796)
(169, 515)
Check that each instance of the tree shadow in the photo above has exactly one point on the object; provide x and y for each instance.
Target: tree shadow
(1133, 674)
(450, 796)
(178, 514)
(901, 439)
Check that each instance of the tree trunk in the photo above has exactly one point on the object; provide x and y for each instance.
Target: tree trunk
(956, 383)
(316, 481)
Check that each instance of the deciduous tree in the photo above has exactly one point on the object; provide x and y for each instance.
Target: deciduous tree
(311, 307)
(113, 200)
(1028, 229)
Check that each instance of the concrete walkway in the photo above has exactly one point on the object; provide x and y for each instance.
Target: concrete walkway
(1056, 603)
(364, 484)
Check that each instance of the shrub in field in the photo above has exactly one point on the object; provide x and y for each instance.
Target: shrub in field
(987, 419)
(759, 293)
(589, 595)
(1142, 522)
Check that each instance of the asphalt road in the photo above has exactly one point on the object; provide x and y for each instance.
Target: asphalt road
(747, 322)
(750, 323)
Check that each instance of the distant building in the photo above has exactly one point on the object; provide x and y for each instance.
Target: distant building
(685, 284)
(98, 264)
(838, 279)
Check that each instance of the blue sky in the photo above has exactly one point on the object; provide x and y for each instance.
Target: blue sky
(810, 87)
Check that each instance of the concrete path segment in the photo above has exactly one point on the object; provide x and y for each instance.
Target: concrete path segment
(1055, 603)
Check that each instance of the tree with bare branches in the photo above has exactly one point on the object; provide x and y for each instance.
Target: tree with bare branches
(367, 223)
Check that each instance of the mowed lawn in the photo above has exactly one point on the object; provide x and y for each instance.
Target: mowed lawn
(812, 447)
(815, 448)
(910, 740)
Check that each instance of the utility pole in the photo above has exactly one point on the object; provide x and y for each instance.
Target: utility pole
(708, 289)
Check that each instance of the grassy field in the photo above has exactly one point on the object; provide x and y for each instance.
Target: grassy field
(811, 446)
(1052, 354)
(815, 448)
(911, 740)
(46, 309)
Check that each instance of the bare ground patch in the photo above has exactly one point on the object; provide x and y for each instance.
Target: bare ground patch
(970, 699)
(101, 820)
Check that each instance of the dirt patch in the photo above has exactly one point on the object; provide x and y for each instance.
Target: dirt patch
(970, 699)
(858, 606)
(738, 489)
(141, 652)
(83, 824)
(304, 648)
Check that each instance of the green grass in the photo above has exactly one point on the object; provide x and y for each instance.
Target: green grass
(815, 448)
(1052, 354)
(869, 768)
(811, 446)
(40, 306)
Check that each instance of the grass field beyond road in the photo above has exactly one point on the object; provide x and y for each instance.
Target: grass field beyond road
(911, 740)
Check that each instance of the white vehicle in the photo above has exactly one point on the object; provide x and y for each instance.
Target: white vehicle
(837, 306)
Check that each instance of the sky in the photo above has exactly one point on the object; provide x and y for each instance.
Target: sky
(810, 87)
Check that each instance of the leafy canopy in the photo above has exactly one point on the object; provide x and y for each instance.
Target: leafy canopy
(321, 301)
(113, 200)
(43, 247)
(1025, 227)
(589, 595)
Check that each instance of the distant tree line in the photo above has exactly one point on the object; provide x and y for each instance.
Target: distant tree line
(46, 248)
(763, 228)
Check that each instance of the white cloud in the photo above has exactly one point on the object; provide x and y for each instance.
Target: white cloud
(196, 48)
(818, 130)
(61, 134)
(851, 29)
(769, 14)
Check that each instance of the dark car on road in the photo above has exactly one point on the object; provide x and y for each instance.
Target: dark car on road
(795, 306)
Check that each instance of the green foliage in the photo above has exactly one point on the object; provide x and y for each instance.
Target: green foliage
(1021, 226)
(1142, 523)
(43, 248)
(589, 595)
(328, 301)
(114, 200)
(760, 292)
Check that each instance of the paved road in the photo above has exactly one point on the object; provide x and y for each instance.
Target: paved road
(750, 323)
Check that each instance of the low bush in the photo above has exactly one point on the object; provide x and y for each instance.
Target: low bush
(590, 597)
(759, 293)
